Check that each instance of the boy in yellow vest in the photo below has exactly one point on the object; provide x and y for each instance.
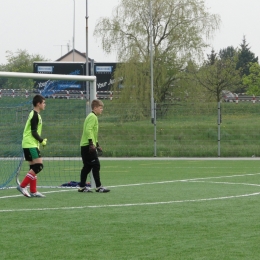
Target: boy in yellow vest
(30, 144)
(90, 147)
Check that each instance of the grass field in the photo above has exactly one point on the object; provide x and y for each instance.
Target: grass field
(157, 209)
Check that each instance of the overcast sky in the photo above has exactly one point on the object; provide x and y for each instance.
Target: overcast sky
(45, 27)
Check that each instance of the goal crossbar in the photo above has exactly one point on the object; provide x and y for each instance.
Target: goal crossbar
(92, 79)
(47, 76)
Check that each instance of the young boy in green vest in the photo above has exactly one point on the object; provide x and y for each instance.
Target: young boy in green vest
(90, 148)
(30, 144)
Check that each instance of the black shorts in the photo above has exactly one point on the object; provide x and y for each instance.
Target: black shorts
(31, 154)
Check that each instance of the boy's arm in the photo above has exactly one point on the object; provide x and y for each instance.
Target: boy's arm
(89, 132)
(34, 126)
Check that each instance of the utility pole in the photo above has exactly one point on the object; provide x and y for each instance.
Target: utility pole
(61, 48)
(73, 40)
(88, 108)
(87, 38)
(151, 61)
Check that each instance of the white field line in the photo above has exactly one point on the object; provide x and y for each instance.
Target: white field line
(147, 158)
(132, 204)
(230, 183)
(150, 203)
(152, 183)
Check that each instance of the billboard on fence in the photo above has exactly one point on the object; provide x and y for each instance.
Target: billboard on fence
(49, 87)
(103, 72)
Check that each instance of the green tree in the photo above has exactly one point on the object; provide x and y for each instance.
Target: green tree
(179, 30)
(228, 53)
(212, 57)
(190, 88)
(252, 81)
(2, 80)
(216, 77)
(245, 58)
(21, 61)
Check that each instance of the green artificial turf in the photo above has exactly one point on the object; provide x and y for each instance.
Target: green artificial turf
(157, 209)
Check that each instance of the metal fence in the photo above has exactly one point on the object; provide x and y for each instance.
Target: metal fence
(181, 129)
(60, 94)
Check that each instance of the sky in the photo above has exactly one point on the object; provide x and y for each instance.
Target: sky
(46, 27)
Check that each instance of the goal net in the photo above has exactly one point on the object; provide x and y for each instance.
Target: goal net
(62, 125)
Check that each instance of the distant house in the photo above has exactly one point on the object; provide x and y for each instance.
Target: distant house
(78, 57)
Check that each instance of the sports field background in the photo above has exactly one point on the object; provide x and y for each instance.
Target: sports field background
(183, 129)
(157, 209)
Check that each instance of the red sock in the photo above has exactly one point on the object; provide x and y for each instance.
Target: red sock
(33, 184)
(27, 179)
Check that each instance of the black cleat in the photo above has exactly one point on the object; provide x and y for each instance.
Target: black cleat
(102, 189)
(85, 189)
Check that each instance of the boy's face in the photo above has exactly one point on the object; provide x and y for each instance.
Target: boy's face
(98, 110)
(42, 105)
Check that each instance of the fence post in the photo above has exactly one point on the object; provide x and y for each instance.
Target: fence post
(253, 99)
(219, 122)
(111, 95)
(13, 93)
(236, 98)
(26, 93)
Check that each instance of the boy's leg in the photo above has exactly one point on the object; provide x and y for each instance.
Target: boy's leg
(27, 179)
(36, 167)
(85, 169)
(96, 175)
(34, 157)
(96, 172)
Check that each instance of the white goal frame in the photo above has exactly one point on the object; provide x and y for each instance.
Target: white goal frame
(92, 93)
(91, 79)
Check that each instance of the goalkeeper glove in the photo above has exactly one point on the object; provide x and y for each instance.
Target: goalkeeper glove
(99, 150)
(92, 147)
(44, 142)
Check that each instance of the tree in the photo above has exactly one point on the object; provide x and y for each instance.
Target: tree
(252, 81)
(228, 53)
(2, 80)
(190, 88)
(179, 30)
(212, 57)
(245, 58)
(21, 61)
(216, 77)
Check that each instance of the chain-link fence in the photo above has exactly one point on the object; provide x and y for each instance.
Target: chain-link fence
(181, 129)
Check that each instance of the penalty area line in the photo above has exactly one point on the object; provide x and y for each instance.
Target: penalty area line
(132, 204)
(201, 179)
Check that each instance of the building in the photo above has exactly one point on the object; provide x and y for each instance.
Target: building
(78, 57)
(65, 65)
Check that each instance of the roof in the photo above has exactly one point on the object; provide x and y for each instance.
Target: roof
(80, 56)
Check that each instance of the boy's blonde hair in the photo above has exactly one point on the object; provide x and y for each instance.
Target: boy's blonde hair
(96, 103)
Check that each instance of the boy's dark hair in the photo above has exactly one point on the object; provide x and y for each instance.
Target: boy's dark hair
(96, 103)
(37, 99)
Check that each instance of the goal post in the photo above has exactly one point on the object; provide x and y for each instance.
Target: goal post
(62, 126)
(91, 79)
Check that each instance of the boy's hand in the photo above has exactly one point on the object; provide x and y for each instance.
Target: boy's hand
(92, 148)
(99, 150)
(44, 142)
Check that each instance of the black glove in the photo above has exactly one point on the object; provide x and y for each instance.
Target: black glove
(99, 150)
(92, 147)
